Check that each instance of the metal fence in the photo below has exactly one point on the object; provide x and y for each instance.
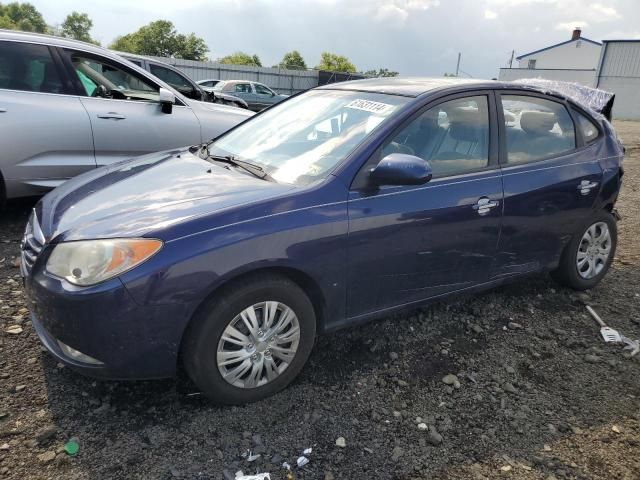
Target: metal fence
(281, 80)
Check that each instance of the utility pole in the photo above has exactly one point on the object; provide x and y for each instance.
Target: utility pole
(513, 52)
(458, 65)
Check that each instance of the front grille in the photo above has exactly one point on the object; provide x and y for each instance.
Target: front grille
(32, 243)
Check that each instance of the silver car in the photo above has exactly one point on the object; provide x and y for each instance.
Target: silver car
(257, 95)
(67, 107)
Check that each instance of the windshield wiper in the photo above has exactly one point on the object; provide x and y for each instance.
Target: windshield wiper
(252, 168)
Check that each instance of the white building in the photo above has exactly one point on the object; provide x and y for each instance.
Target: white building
(575, 60)
(619, 73)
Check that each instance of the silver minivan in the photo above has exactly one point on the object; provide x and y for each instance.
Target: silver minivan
(67, 107)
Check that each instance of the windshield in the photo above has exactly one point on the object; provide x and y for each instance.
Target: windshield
(303, 139)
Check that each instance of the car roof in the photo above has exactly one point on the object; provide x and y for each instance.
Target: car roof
(50, 40)
(414, 86)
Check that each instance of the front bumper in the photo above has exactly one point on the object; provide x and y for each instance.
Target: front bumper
(104, 322)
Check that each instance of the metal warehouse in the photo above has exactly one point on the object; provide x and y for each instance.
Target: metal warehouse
(619, 72)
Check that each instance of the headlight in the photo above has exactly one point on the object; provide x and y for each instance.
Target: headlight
(89, 262)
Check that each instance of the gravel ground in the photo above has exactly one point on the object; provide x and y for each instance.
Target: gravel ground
(537, 394)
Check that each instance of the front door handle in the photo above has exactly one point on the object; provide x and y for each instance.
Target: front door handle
(585, 186)
(3, 110)
(111, 115)
(484, 205)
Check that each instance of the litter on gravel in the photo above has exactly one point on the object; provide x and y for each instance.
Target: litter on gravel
(257, 476)
(613, 336)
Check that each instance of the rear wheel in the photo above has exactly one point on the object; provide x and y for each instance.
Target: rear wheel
(251, 340)
(588, 256)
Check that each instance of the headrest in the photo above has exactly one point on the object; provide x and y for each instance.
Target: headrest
(532, 121)
(429, 120)
(466, 124)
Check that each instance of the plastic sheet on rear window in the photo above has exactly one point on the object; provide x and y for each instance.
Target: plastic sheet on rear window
(599, 101)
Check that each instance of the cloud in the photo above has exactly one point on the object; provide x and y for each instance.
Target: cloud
(392, 14)
(609, 13)
(490, 14)
(396, 12)
(570, 26)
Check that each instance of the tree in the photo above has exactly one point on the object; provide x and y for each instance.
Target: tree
(241, 58)
(335, 63)
(77, 26)
(160, 39)
(294, 60)
(22, 16)
(381, 72)
(191, 47)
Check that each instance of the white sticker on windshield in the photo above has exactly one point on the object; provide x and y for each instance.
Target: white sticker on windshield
(369, 106)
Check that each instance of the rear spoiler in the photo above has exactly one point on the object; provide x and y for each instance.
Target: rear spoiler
(599, 101)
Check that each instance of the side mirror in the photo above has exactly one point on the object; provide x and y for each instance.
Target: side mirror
(401, 169)
(167, 99)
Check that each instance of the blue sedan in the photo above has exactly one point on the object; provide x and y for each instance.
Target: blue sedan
(341, 204)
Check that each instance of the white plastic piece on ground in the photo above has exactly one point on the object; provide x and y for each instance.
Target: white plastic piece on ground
(307, 451)
(257, 476)
(610, 335)
(302, 461)
(633, 345)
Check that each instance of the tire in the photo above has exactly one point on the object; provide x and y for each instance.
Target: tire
(3, 195)
(203, 340)
(568, 272)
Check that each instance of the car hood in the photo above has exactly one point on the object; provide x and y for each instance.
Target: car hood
(226, 110)
(147, 196)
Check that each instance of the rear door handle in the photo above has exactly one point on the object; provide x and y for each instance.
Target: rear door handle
(484, 205)
(3, 110)
(585, 186)
(111, 115)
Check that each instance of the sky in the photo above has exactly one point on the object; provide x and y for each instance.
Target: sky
(413, 37)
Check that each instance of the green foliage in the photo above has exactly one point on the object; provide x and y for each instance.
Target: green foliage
(381, 72)
(335, 63)
(191, 47)
(77, 26)
(293, 60)
(22, 16)
(449, 74)
(160, 39)
(241, 58)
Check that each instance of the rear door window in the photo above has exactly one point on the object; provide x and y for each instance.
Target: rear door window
(536, 129)
(28, 67)
(243, 88)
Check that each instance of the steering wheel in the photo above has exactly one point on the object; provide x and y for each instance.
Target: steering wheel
(100, 91)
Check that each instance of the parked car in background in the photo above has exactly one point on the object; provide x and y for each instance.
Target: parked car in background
(257, 95)
(67, 107)
(208, 83)
(181, 81)
(345, 203)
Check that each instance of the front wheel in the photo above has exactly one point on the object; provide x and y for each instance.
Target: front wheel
(251, 340)
(588, 256)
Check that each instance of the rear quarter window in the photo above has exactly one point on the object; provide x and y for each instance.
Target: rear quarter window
(586, 126)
